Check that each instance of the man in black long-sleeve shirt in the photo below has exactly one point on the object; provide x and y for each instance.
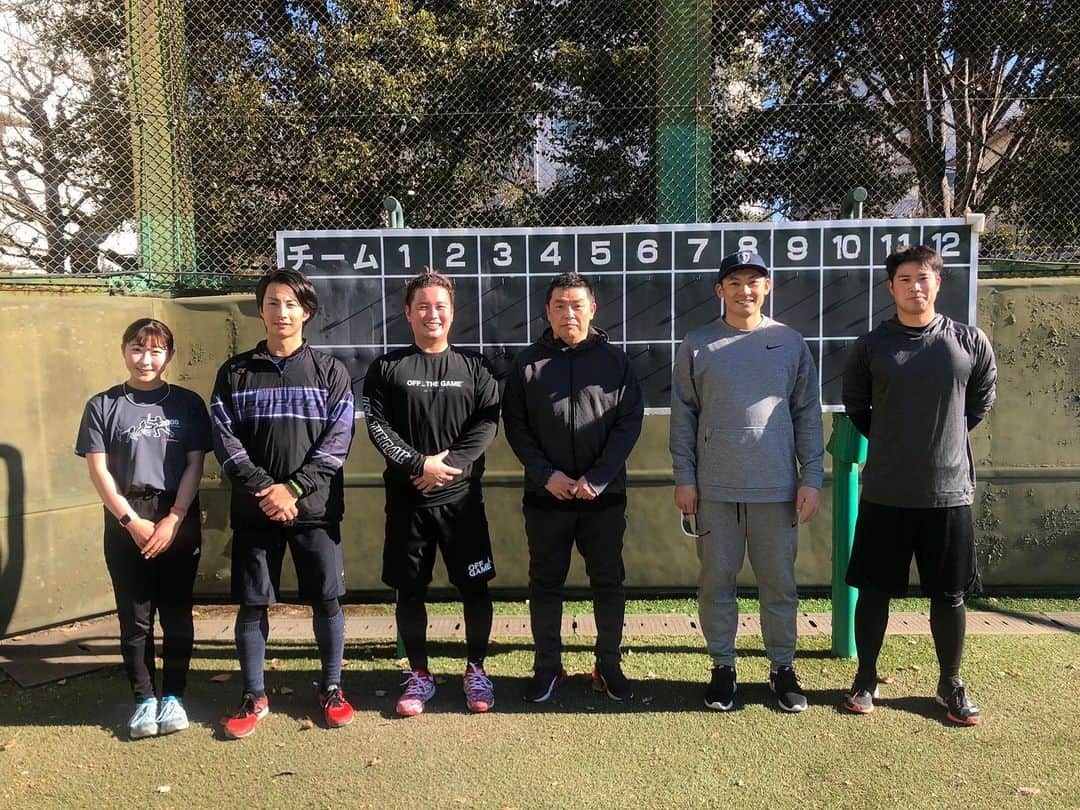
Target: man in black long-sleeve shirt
(915, 386)
(283, 424)
(432, 410)
(573, 410)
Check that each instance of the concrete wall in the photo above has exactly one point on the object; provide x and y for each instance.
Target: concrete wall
(61, 349)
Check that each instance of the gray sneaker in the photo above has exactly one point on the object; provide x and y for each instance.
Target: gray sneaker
(171, 715)
(143, 722)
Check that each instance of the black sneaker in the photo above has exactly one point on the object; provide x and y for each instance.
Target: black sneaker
(958, 706)
(608, 677)
(543, 684)
(784, 683)
(721, 692)
(860, 700)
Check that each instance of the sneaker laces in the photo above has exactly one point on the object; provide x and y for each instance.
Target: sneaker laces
(787, 680)
(476, 680)
(247, 706)
(333, 698)
(144, 711)
(416, 686)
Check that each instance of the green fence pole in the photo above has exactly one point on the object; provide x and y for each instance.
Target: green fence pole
(160, 137)
(394, 217)
(684, 133)
(848, 449)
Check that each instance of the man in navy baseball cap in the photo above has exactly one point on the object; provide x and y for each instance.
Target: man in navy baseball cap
(741, 260)
(746, 451)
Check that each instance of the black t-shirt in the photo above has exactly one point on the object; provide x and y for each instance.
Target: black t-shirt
(418, 404)
(146, 435)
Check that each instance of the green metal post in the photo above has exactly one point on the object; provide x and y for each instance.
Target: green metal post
(394, 217)
(848, 448)
(684, 134)
(160, 136)
(851, 207)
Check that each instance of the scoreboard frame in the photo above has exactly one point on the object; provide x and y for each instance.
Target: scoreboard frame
(642, 267)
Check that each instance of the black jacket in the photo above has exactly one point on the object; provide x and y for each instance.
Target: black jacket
(576, 410)
(272, 426)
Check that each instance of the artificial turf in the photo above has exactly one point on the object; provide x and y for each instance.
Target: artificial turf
(64, 744)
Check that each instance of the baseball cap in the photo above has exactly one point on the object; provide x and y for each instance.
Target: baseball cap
(740, 260)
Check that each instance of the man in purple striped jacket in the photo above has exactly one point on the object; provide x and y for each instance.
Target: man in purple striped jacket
(283, 423)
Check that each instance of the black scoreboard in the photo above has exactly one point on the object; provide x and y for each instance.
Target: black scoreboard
(653, 283)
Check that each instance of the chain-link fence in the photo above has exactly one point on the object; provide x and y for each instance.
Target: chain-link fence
(177, 137)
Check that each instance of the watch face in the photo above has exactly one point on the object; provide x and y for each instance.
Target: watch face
(126, 519)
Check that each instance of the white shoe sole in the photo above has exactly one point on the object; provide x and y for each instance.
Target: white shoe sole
(172, 728)
(556, 682)
(780, 703)
(716, 705)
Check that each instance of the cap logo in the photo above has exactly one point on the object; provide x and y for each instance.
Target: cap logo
(744, 256)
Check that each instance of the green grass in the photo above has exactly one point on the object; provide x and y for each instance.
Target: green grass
(816, 605)
(63, 744)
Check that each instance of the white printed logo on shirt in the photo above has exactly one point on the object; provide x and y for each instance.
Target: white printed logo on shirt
(434, 383)
(152, 427)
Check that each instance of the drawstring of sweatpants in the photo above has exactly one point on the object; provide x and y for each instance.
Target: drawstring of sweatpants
(742, 512)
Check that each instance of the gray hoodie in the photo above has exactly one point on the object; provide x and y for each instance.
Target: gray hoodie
(746, 414)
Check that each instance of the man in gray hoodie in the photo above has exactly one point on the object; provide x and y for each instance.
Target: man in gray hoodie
(747, 447)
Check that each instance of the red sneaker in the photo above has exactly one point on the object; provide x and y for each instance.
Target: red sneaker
(242, 724)
(336, 708)
(479, 691)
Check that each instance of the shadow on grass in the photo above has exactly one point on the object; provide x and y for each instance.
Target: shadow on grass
(372, 683)
(1039, 619)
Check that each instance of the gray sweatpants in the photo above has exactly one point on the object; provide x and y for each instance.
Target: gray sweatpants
(770, 532)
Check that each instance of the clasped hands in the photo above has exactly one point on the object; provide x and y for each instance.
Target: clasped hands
(565, 488)
(436, 473)
(153, 538)
(278, 502)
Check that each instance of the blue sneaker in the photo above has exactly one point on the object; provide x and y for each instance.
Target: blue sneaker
(143, 722)
(171, 715)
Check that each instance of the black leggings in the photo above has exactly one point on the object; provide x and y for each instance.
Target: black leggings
(411, 615)
(948, 626)
(160, 586)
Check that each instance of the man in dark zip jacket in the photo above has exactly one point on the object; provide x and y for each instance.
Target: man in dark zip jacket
(282, 416)
(573, 409)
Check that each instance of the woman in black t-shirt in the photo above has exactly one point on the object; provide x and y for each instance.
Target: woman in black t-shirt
(144, 442)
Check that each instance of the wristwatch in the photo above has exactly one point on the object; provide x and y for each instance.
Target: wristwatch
(126, 518)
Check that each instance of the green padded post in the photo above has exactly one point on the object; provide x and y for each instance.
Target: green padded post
(684, 134)
(848, 449)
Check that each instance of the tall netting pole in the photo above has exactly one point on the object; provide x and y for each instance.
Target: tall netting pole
(160, 136)
(684, 136)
